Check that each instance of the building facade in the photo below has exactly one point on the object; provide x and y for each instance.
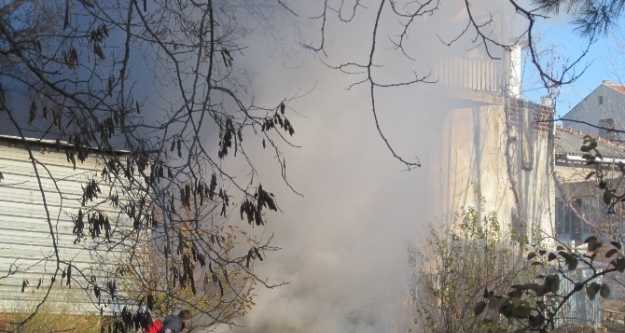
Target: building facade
(580, 209)
(498, 163)
(32, 232)
(496, 149)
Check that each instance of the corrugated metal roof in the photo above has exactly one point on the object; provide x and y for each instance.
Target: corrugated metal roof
(53, 143)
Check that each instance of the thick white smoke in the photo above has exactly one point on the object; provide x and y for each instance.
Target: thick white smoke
(344, 244)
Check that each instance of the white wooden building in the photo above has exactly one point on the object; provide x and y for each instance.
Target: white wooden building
(27, 255)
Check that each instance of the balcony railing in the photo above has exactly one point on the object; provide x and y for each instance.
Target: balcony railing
(483, 75)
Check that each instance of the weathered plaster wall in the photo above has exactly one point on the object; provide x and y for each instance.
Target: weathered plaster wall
(499, 161)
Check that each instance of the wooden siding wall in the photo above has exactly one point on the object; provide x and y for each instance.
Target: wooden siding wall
(25, 241)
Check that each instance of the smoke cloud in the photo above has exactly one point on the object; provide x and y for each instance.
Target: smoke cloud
(345, 243)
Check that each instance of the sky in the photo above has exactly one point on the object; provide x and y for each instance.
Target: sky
(604, 61)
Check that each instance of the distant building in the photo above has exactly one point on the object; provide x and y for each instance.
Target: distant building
(603, 107)
(580, 209)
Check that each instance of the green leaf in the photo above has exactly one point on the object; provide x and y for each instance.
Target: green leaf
(520, 310)
(506, 309)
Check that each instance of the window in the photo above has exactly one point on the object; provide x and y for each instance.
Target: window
(600, 100)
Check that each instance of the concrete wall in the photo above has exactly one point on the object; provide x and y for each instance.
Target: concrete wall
(25, 241)
(499, 160)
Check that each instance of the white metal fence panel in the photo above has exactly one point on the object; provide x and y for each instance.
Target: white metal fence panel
(26, 250)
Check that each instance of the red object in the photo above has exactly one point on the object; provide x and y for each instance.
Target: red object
(155, 327)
